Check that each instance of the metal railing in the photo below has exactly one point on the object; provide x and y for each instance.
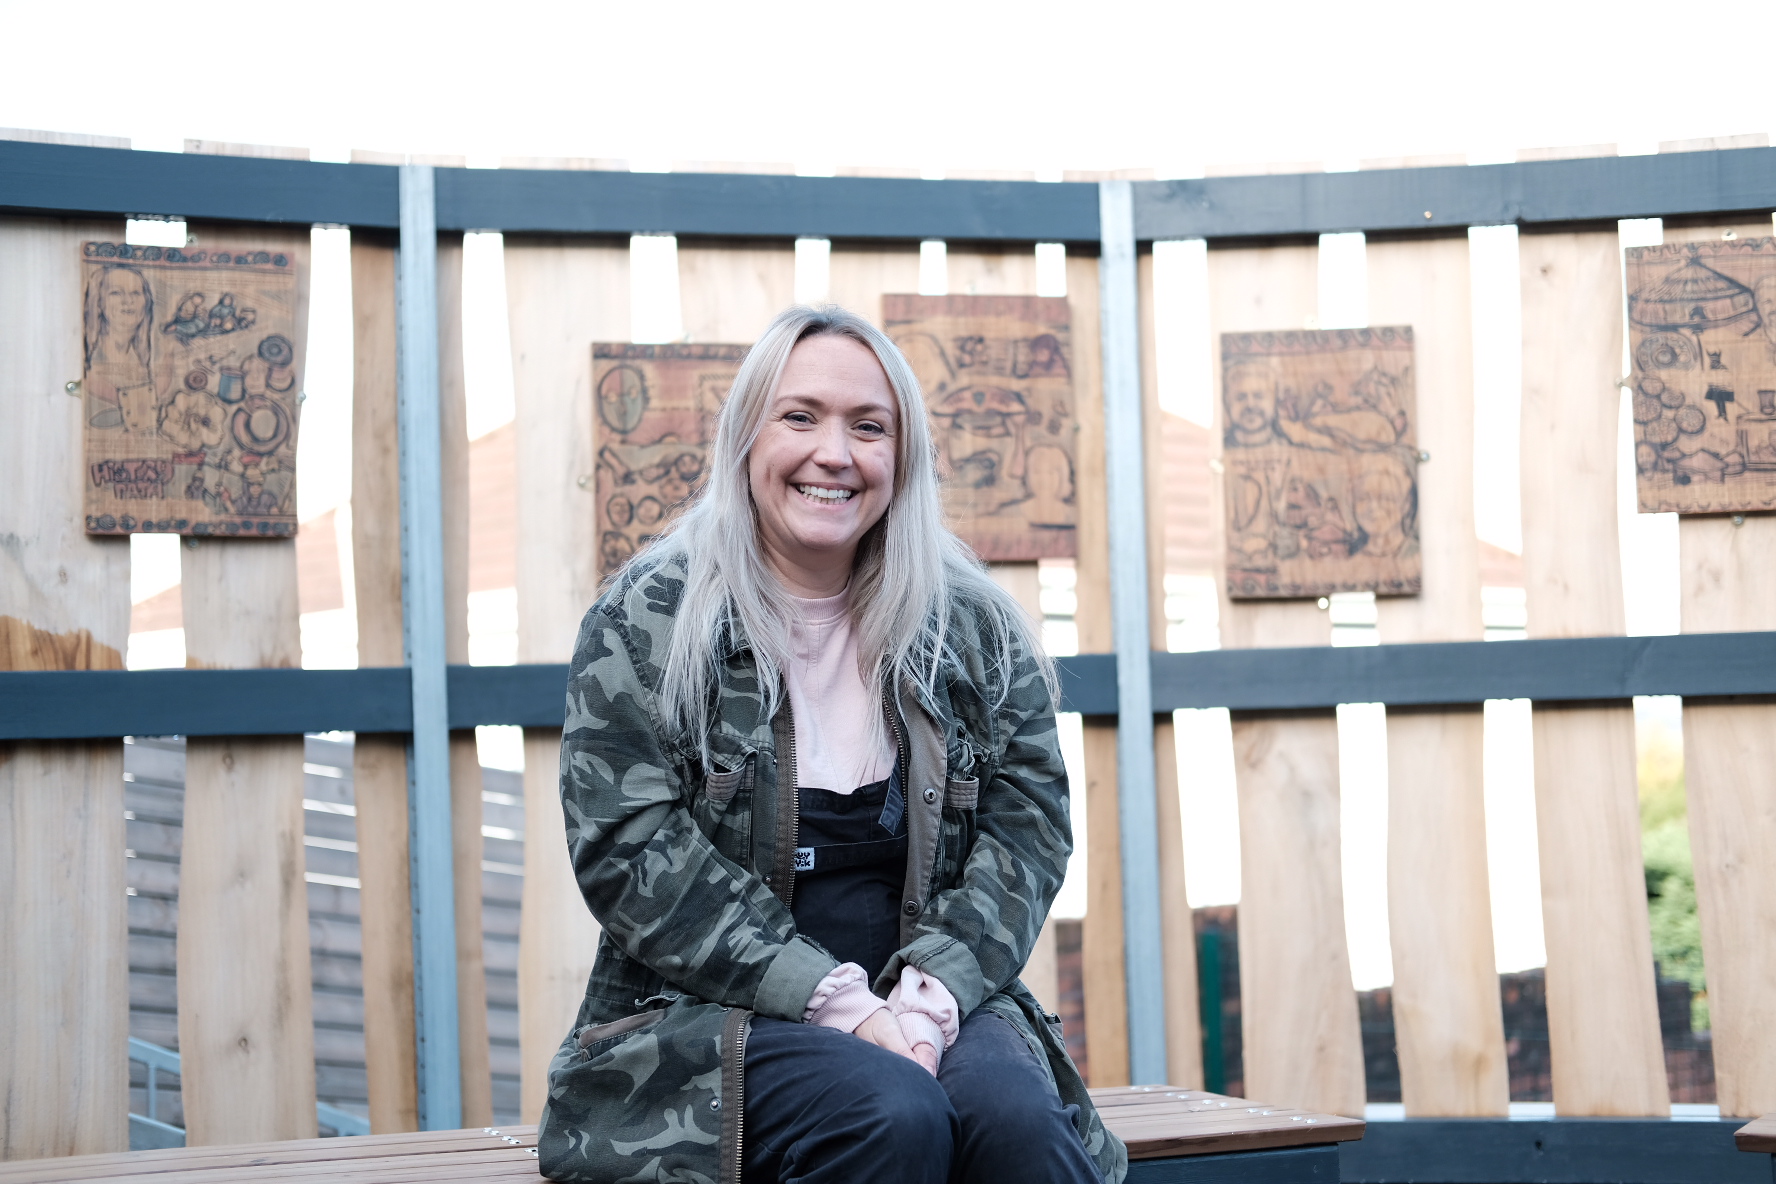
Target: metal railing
(147, 1131)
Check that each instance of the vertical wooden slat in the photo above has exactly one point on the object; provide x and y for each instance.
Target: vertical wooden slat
(1011, 271)
(1449, 1027)
(1177, 927)
(993, 269)
(864, 276)
(64, 605)
(562, 295)
(1729, 750)
(379, 762)
(246, 1022)
(859, 273)
(390, 1052)
(465, 760)
(729, 291)
(1101, 955)
(1298, 1009)
(1603, 1019)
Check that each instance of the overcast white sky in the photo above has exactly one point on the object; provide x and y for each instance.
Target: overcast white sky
(951, 85)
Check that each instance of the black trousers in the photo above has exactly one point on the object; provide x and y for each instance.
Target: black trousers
(826, 1107)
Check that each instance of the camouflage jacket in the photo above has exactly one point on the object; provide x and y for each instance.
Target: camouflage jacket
(689, 868)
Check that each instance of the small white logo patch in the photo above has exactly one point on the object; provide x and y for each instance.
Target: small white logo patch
(804, 859)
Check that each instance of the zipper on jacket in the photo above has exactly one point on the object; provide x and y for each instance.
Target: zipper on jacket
(740, 1100)
(734, 1101)
(900, 748)
(795, 811)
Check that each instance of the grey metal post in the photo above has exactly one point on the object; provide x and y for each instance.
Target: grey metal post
(1137, 812)
(422, 628)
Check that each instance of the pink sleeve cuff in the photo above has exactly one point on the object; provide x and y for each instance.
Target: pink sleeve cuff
(919, 994)
(842, 999)
(918, 1029)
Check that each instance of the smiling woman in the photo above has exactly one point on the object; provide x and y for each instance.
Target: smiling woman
(816, 800)
(822, 468)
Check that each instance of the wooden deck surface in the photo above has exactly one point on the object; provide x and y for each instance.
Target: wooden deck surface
(1155, 1121)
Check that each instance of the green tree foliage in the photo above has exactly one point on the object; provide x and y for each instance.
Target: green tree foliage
(1670, 873)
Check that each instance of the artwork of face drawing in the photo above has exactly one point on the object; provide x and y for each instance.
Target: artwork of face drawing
(1249, 396)
(120, 349)
(983, 435)
(656, 408)
(190, 415)
(997, 380)
(1320, 468)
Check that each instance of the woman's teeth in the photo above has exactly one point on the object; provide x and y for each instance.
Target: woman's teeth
(820, 494)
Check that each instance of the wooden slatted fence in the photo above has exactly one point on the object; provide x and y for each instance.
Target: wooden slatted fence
(246, 1008)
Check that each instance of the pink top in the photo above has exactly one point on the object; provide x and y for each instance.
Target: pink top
(841, 745)
(840, 742)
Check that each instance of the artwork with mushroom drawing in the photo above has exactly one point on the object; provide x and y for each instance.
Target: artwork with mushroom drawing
(997, 374)
(655, 407)
(190, 388)
(1320, 463)
(1702, 335)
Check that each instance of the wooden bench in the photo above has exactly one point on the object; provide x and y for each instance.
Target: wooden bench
(1175, 1136)
(1185, 1136)
(1759, 1137)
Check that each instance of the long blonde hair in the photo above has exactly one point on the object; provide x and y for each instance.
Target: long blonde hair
(912, 575)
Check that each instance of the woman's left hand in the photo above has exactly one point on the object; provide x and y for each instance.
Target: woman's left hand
(883, 1030)
(923, 1036)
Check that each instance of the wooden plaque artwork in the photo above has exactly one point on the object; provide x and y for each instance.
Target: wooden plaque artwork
(997, 372)
(1702, 334)
(656, 408)
(191, 384)
(1320, 463)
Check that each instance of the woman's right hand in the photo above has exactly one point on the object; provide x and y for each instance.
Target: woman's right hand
(883, 1030)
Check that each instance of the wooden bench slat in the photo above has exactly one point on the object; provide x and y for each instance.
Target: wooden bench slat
(1757, 1135)
(288, 1152)
(463, 1164)
(1155, 1121)
(483, 1162)
(1161, 1121)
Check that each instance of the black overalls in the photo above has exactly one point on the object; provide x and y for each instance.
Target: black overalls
(850, 866)
(824, 1107)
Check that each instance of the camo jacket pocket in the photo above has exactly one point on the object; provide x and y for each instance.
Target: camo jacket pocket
(641, 1096)
(723, 807)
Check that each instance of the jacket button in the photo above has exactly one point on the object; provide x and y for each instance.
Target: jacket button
(715, 1103)
(930, 795)
(910, 908)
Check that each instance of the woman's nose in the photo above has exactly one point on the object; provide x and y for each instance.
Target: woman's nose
(833, 447)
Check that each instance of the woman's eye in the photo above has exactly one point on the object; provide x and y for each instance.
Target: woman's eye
(870, 428)
(801, 418)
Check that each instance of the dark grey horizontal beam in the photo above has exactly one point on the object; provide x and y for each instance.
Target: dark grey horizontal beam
(742, 204)
(54, 706)
(64, 179)
(1566, 670)
(1550, 191)
(87, 704)
(1088, 683)
(1551, 1151)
